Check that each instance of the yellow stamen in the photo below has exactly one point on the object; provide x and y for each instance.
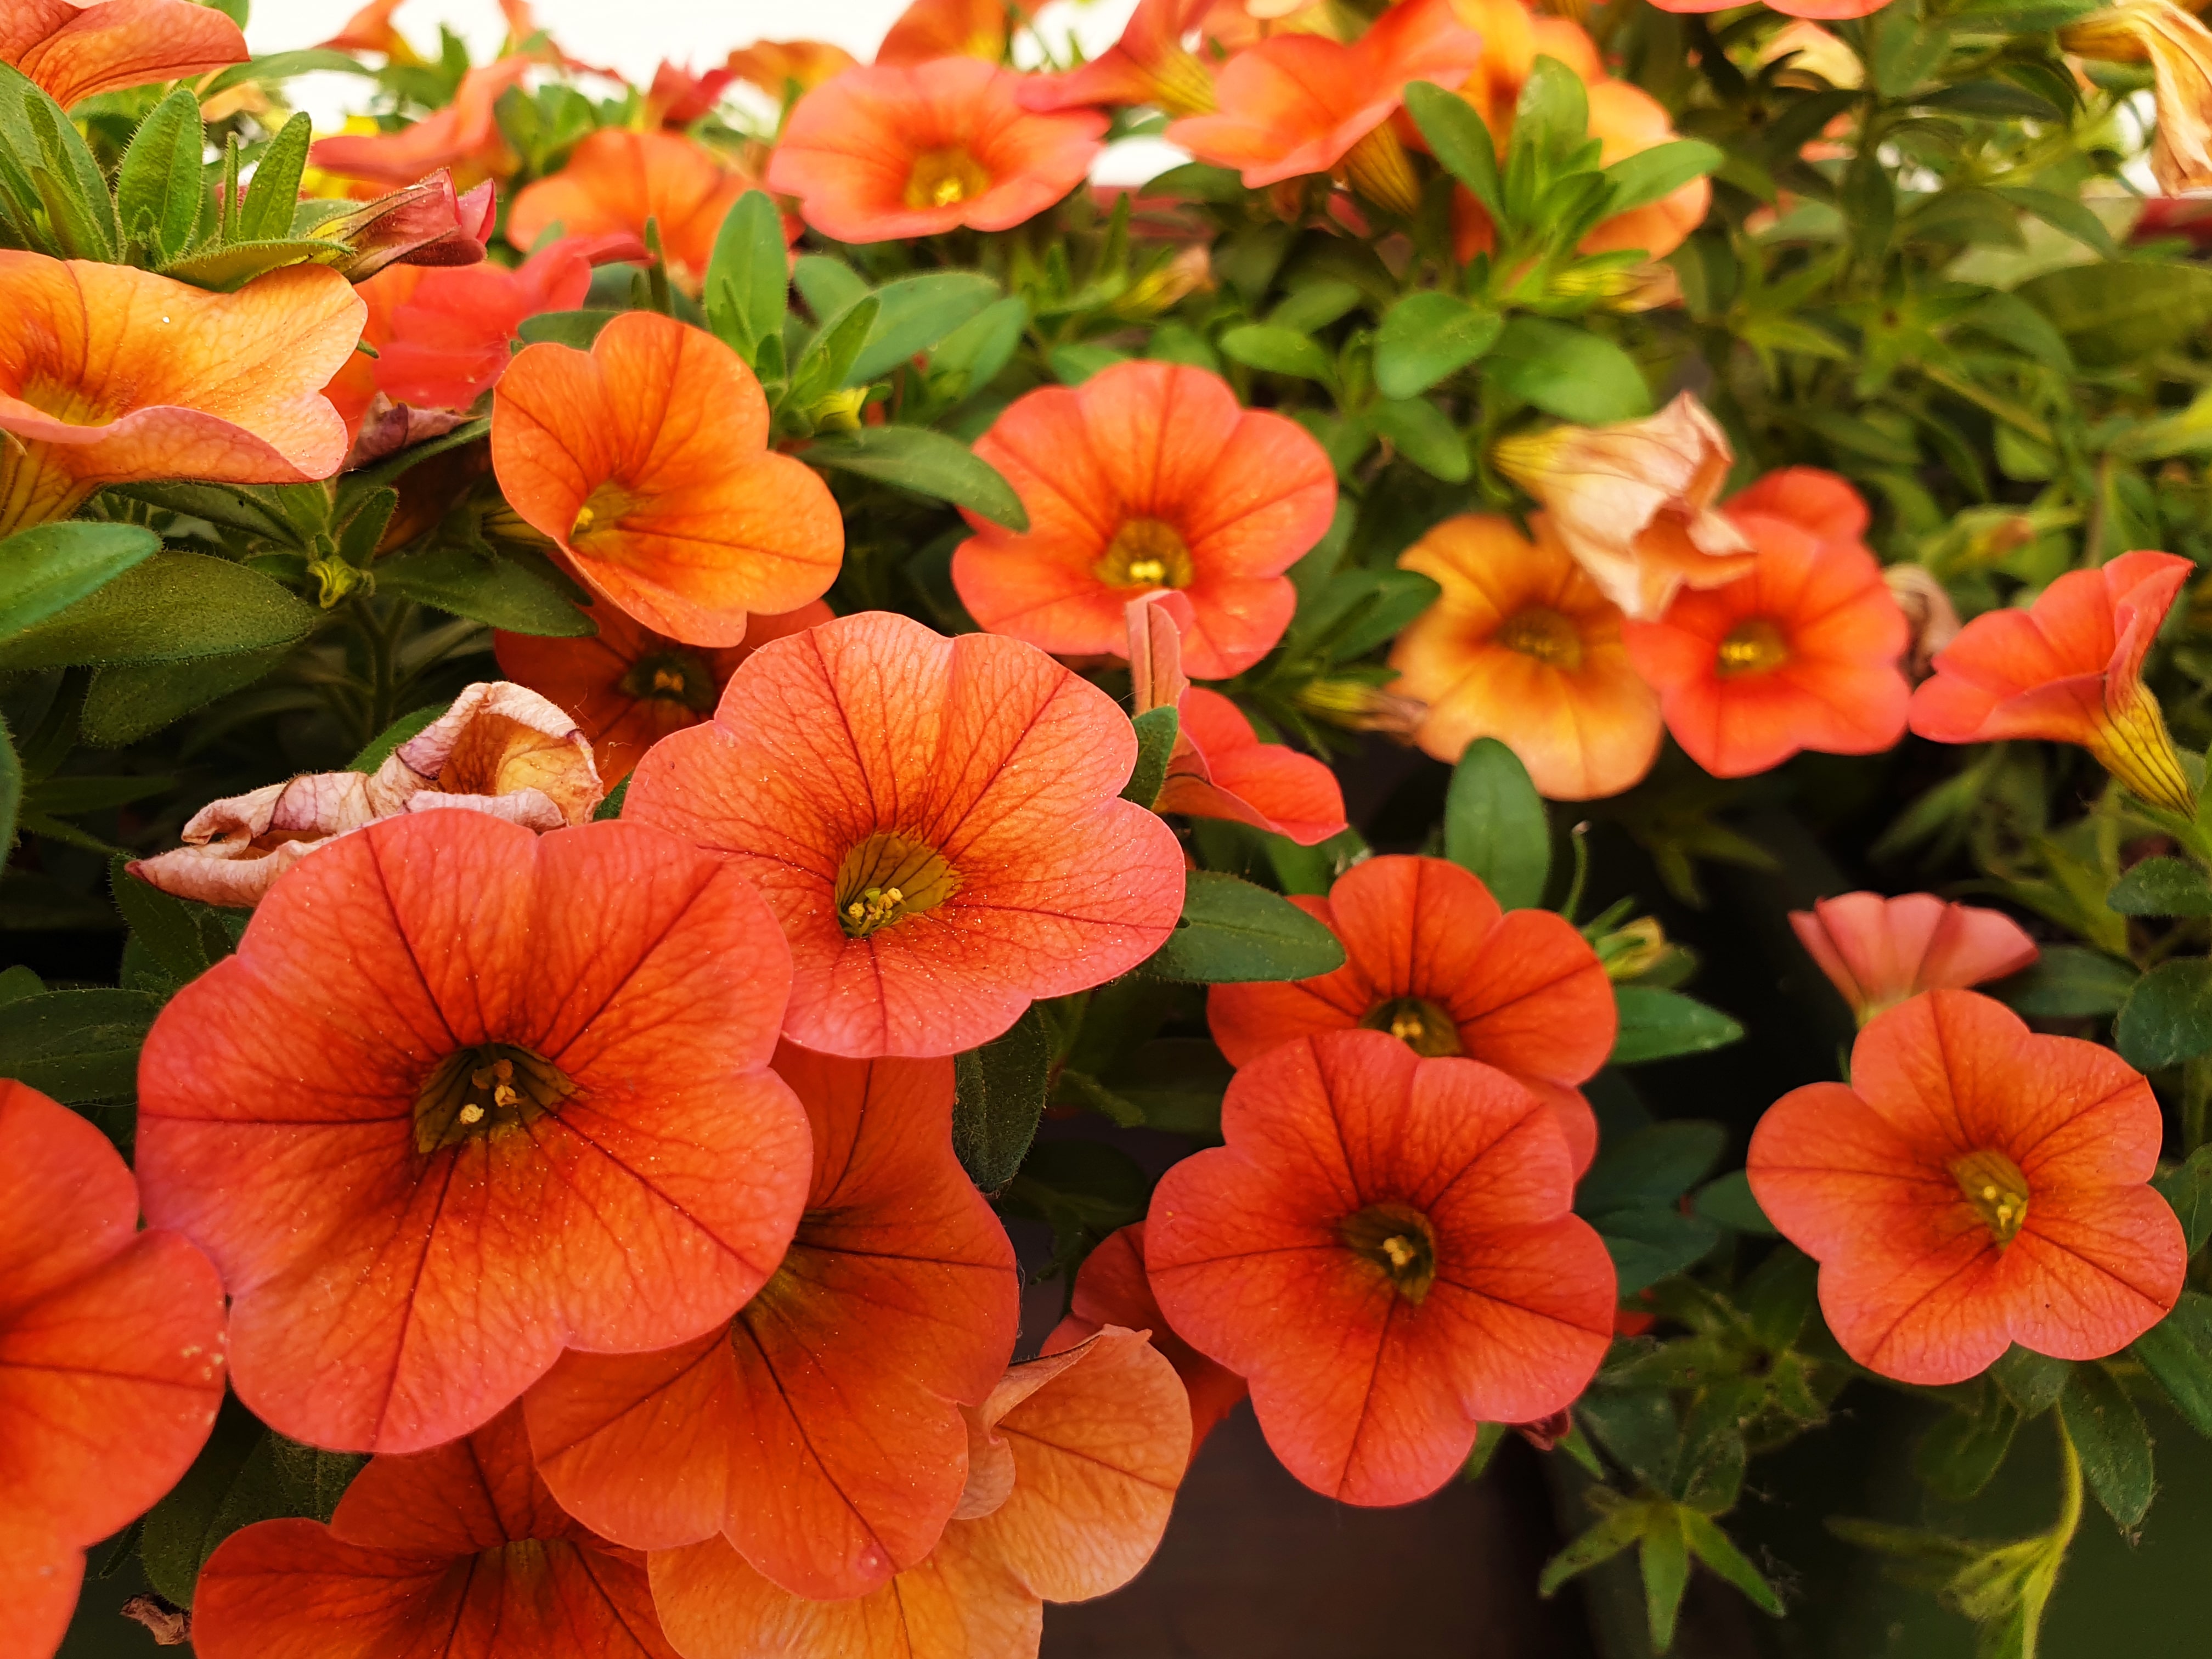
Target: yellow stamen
(1993, 1184)
(488, 1089)
(1398, 1239)
(1755, 647)
(888, 878)
(1420, 1025)
(942, 177)
(1145, 553)
(1550, 636)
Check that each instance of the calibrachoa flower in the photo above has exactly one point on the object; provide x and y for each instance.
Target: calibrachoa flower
(1829, 10)
(1149, 64)
(463, 137)
(111, 375)
(615, 179)
(1072, 1466)
(111, 1357)
(72, 50)
(1521, 646)
(427, 223)
(929, 29)
(1975, 1186)
(1431, 960)
(458, 1551)
(2070, 669)
(2178, 48)
(820, 1431)
(465, 1096)
(1147, 476)
(1877, 951)
(1298, 104)
(629, 687)
(937, 823)
(896, 151)
(646, 459)
(1385, 1248)
(785, 68)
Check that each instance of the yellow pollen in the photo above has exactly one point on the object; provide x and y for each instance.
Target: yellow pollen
(1548, 636)
(887, 877)
(1993, 1184)
(1417, 1023)
(488, 1089)
(1755, 647)
(471, 1113)
(1145, 553)
(1149, 573)
(1398, 1239)
(665, 681)
(1400, 1251)
(942, 177)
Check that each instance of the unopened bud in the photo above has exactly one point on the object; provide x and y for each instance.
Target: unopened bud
(1359, 706)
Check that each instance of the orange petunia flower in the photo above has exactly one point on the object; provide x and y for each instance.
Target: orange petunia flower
(1976, 1185)
(646, 459)
(2069, 668)
(1430, 959)
(629, 687)
(1521, 646)
(1385, 1248)
(1803, 652)
(1111, 1288)
(1827, 11)
(1147, 476)
(111, 375)
(819, 1432)
(1149, 64)
(456, 1551)
(463, 137)
(1072, 1466)
(72, 50)
(680, 94)
(616, 180)
(929, 29)
(111, 1357)
(465, 1096)
(785, 68)
(893, 153)
(1299, 104)
(427, 223)
(1878, 951)
(371, 29)
(937, 823)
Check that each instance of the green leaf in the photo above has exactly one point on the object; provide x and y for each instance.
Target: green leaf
(2062, 213)
(379, 747)
(1665, 1558)
(748, 283)
(982, 346)
(1495, 825)
(2188, 1188)
(1651, 1168)
(1278, 350)
(1157, 730)
(283, 66)
(229, 266)
(80, 1047)
(1650, 174)
(265, 215)
(916, 313)
(2108, 1431)
(158, 185)
(277, 1479)
(495, 589)
(576, 329)
(1424, 436)
(1649, 1245)
(69, 183)
(11, 792)
(1714, 1547)
(1428, 336)
(1458, 139)
(2032, 1381)
(1567, 371)
(2168, 1017)
(129, 701)
(1074, 363)
(166, 925)
(49, 567)
(169, 608)
(826, 362)
(827, 285)
(999, 1095)
(1234, 933)
(1084, 1188)
(1315, 305)
(1656, 1024)
(2178, 1351)
(2115, 313)
(2162, 887)
(928, 463)
(1958, 1457)
(1730, 1203)
(227, 506)
(2069, 982)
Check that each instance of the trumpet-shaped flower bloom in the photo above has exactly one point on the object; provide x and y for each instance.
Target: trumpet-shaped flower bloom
(929, 29)
(1431, 960)
(465, 1096)
(72, 50)
(1147, 476)
(1522, 646)
(646, 459)
(1385, 1249)
(1072, 1466)
(1877, 951)
(616, 180)
(110, 1356)
(937, 823)
(111, 375)
(897, 151)
(627, 687)
(681, 95)
(1149, 64)
(427, 223)
(2070, 669)
(458, 1552)
(1975, 1186)
(463, 137)
(785, 68)
(819, 1432)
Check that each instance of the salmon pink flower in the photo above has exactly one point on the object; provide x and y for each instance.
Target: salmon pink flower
(895, 152)
(1522, 647)
(111, 375)
(785, 68)
(616, 180)
(465, 1096)
(1385, 1248)
(1976, 1185)
(1147, 476)
(646, 459)
(1877, 951)
(425, 224)
(1299, 104)
(929, 29)
(629, 687)
(73, 50)
(463, 138)
(1072, 1466)
(458, 1550)
(680, 94)
(1149, 64)
(2069, 668)
(111, 1357)
(1430, 959)
(937, 823)
(819, 1432)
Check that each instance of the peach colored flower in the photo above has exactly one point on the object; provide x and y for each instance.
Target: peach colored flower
(72, 50)
(784, 68)
(616, 180)
(1878, 951)
(463, 138)
(1149, 64)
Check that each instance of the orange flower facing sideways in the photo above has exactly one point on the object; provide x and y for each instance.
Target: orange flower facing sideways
(371, 29)
(937, 823)
(929, 29)
(1877, 951)
(457, 1552)
(1976, 1185)
(819, 1432)
(73, 50)
(111, 1357)
(1146, 477)
(463, 137)
(616, 180)
(2070, 669)
(1522, 646)
(1072, 1466)
(646, 459)
(785, 68)
(898, 151)
(1149, 64)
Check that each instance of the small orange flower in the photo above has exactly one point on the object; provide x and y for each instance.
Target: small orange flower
(616, 180)
(371, 29)
(646, 459)
(1878, 951)
(1147, 476)
(1976, 1185)
(1521, 646)
(895, 152)
(72, 50)
(784, 68)
(1149, 64)
(2069, 668)
(680, 95)
(929, 29)
(111, 375)
(463, 137)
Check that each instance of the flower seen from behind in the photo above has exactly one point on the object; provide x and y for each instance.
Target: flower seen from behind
(615, 179)
(1149, 64)
(1878, 951)
(463, 138)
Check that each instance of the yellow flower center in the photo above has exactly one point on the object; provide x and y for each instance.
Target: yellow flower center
(1550, 636)
(600, 518)
(1147, 553)
(483, 1089)
(1755, 647)
(888, 878)
(942, 177)
(1995, 1186)
(1397, 1238)
(676, 676)
(1420, 1025)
